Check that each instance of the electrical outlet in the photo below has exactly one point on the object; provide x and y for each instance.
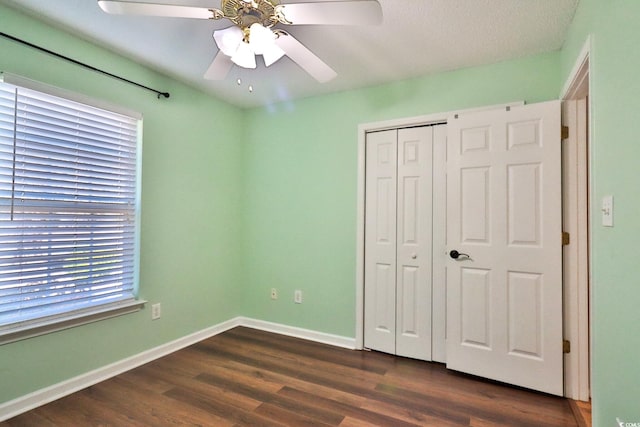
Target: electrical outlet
(297, 296)
(274, 293)
(155, 311)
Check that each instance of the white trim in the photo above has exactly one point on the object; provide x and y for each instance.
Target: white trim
(43, 396)
(49, 324)
(56, 391)
(306, 334)
(429, 119)
(577, 194)
(578, 72)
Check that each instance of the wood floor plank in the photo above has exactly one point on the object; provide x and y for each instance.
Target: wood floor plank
(481, 408)
(373, 418)
(284, 416)
(408, 414)
(146, 383)
(353, 422)
(31, 420)
(292, 405)
(222, 409)
(221, 394)
(124, 397)
(245, 377)
(322, 377)
(83, 409)
(313, 374)
(226, 368)
(279, 379)
(453, 386)
(335, 355)
(275, 359)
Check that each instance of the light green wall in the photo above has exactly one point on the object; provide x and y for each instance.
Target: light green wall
(190, 210)
(295, 226)
(615, 149)
(301, 178)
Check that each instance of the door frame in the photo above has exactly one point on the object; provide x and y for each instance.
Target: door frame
(577, 189)
(424, 120)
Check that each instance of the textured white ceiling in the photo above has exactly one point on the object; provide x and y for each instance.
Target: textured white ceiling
(417, 37)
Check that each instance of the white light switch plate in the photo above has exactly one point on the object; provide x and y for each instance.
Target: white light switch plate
(607, 211)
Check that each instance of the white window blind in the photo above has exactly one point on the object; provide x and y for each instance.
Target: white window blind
(68, 182)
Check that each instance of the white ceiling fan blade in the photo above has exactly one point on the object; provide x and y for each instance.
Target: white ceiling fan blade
(306, 59)
(359, 12)
(219, 68)
(150, 9)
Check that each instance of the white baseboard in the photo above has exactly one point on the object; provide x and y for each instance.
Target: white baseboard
(49, 394)
(43, 396)
(292, 331)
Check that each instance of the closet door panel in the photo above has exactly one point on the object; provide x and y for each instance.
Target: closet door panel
(380, 241)
(414, 243)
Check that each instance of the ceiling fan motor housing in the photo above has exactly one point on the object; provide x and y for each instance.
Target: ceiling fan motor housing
(245, 13)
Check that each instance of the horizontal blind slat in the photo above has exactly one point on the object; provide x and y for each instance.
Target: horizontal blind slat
(53, 305)
(29, 291)
(22, 259)
(51, 148)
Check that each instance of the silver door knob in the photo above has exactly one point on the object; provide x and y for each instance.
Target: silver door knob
(414, 256)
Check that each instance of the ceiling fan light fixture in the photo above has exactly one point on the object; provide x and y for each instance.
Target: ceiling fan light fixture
(260, 38)
(272, 54)
(228, 40)
(244, 56)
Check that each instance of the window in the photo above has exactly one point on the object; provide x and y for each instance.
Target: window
(68, 210)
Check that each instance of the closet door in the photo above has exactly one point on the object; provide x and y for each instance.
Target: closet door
(413, 255)
(398, 230)
(380, 241)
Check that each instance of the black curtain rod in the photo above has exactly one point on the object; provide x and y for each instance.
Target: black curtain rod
(82, 64)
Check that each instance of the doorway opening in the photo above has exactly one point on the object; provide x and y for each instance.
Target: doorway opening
(576, 112)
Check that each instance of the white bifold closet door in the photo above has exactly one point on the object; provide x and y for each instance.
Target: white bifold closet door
(398, 241)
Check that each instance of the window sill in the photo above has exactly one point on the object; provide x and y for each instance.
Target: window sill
(21, 331)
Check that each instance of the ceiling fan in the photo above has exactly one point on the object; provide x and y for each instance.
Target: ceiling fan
(254, 32)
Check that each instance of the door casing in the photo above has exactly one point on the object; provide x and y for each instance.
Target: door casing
(577, 190)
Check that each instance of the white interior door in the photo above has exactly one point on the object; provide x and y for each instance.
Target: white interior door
(398, 250)
(504, 301)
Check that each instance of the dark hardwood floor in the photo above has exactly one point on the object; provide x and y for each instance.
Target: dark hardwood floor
(246, 377)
